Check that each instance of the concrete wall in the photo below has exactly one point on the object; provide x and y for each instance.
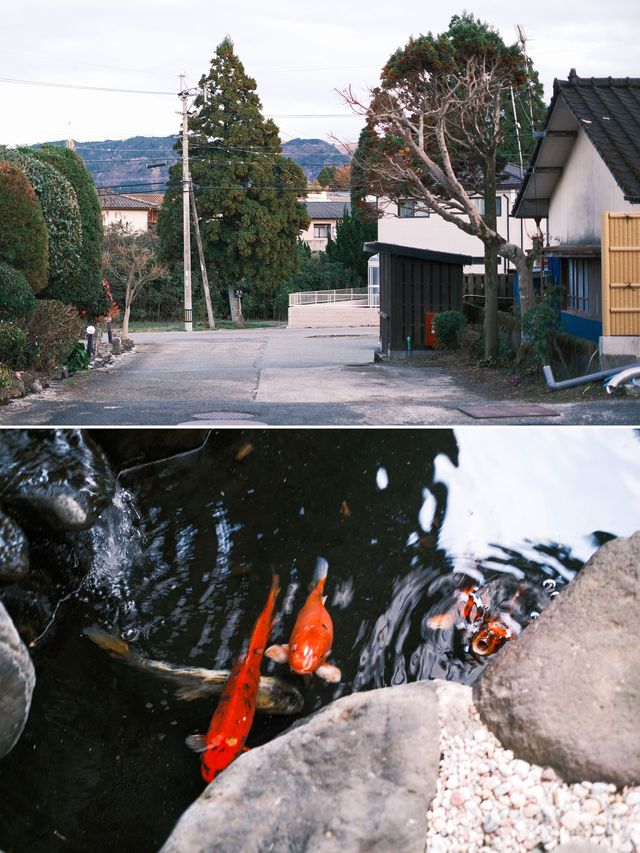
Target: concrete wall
(585, 191)
(335, 315)
(435, 233)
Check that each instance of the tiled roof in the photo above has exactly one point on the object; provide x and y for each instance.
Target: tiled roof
(152, 199)
(327, 209)
(119, 201)
(608, 111)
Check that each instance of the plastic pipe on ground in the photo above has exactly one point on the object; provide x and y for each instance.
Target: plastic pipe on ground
(582, 380)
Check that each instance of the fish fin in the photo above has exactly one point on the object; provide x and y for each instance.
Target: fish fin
(198, 743)
(324, 598)
(189, 692)
(441, 621)
(113, 644)
(279, 654)
(329, 672)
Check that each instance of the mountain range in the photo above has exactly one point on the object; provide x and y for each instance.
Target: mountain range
(141, 163)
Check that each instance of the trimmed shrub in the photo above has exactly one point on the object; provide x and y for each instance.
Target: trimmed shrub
(448, 327)
(12, 344)
(83, 288)
(538, 325)
(16, 296)
(52, 331)
(61, 212)
(6, 376)
(24, 242)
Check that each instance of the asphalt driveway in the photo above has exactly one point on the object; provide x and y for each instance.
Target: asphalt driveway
(279, 376)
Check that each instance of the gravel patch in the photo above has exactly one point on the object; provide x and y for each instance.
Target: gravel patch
(487, 800)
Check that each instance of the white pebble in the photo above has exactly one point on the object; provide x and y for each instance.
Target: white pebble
(491, 822)
(520, 768)
(504, 769)
(548, 774)
(632, 798)
(570, 820)
(592, 806)
(518, 799)
(503, 788)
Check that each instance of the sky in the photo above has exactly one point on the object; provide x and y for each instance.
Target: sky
(299, 55)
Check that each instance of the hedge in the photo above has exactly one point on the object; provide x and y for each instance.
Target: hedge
(24, 242)
(16, 296)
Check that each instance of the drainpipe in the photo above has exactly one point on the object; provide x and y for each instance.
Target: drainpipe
(615, 372)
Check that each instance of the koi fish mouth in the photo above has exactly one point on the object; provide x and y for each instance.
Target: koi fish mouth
(490, 638)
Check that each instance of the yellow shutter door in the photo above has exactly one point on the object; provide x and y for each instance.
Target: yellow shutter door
(621, 274)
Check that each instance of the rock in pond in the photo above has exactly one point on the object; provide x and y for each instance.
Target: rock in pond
(14, 551)
(357, 775)
(17, 679)
(567, 692)
(56, 478)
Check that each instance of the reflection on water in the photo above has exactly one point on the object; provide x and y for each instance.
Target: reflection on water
(179, 562)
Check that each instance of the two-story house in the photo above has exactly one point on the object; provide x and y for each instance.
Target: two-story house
(584, 179)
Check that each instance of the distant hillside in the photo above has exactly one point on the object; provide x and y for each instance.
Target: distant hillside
(312, 154)
(141, 163)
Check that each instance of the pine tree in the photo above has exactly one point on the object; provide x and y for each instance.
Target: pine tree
(246, 191)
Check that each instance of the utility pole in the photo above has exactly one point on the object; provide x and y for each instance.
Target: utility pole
(203, 267)
(186, 224)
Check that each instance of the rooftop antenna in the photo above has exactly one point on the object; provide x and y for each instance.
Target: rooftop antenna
(522, 38)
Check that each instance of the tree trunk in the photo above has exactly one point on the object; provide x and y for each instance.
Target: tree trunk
(490, 265)
(235, 305)
(125, 320)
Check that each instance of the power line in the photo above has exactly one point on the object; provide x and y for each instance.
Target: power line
(84, 88)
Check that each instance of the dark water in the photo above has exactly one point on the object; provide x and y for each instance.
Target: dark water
(179, 564)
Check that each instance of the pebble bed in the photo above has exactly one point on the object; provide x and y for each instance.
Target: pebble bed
(488, 800)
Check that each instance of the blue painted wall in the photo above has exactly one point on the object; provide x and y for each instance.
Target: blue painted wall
(581, 327)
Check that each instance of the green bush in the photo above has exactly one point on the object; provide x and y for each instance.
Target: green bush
(61, 212)
(78, 359)
(16, 296)
(538, 325)
(6, 376)
(448, 328)
(52, 331)
(24, 243)
(83, 287)
(12, 344)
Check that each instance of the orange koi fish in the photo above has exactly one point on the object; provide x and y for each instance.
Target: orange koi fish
(471, 612)
(234, 713)
(312, 636)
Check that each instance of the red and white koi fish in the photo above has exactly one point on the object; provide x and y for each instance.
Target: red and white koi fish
(234, 713)
(471, 612)
(312, 636)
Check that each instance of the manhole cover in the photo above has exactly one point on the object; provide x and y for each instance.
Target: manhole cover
(223, 416)
(509, 411)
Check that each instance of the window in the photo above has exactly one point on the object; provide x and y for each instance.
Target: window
(479, 203)
(409, 208)
(578, 285)
(322, 229)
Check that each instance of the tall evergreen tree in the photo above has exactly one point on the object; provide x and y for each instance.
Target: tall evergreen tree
(352, 231)
(246, 191)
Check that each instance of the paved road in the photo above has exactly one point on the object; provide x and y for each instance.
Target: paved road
(275, 376)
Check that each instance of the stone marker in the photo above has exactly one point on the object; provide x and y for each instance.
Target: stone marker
(358, 775)
(17, 679)
(567, 692)
(116, 345)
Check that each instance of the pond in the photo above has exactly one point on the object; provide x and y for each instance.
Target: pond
(179, 561)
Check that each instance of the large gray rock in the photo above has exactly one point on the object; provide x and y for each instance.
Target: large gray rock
(17, 679)
(358, 775)
(567, 692)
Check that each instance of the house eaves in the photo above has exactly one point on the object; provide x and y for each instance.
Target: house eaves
(422, 254)
(608, 111)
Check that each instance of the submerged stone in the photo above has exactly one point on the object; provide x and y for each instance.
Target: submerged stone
(358, 775)
(55, 478)
(566, 694)
(17, 679)
(14, 551)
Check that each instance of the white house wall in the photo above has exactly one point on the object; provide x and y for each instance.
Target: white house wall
(435, 233)
(137, 219)
(584, 192)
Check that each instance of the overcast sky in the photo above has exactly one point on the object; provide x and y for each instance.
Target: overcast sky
(299, 54)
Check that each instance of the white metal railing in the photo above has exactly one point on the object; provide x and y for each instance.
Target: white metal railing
(318, 297)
